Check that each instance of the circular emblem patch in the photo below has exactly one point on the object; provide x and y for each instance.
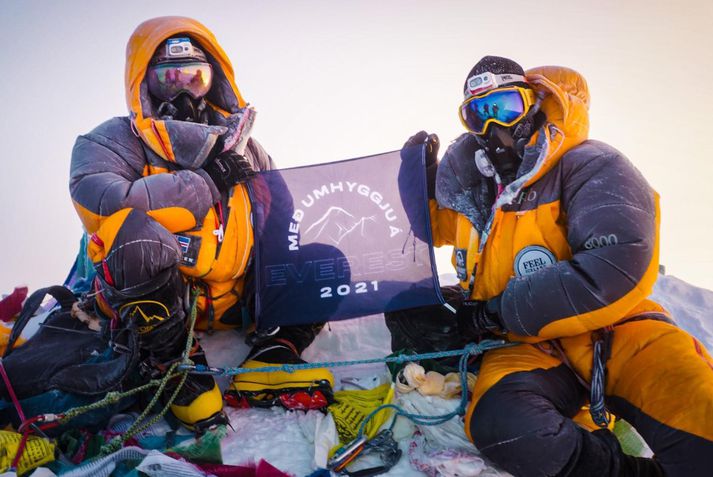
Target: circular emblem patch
(533, 258)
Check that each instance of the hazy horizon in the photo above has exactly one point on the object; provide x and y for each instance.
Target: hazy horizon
(337, 80)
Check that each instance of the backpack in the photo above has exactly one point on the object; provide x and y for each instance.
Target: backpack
(66, 364)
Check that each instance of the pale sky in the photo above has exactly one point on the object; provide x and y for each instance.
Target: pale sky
(333, 80)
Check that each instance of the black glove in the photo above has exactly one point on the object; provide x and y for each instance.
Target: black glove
(227, 169)
(479, 318)
(432, 142)
(432, 145)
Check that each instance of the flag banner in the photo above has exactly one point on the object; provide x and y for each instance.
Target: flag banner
(342, 240)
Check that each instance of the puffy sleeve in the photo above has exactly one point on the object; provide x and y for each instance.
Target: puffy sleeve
(443, 224)
(612, 222)
(107, 175)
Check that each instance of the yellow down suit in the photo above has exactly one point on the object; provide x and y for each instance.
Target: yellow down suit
(138, 185)
(141, 192)
(152, 165)
(572, 247)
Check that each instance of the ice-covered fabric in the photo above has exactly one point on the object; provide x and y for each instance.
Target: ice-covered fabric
(572, 243)
(152, 165)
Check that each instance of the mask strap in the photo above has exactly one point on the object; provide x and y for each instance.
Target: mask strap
(525, 128)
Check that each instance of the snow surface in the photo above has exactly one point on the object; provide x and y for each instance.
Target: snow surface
(286, 439)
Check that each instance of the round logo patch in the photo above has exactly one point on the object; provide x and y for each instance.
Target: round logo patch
(533, 258)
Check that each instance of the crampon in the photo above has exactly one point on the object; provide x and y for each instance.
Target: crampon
(318, 397)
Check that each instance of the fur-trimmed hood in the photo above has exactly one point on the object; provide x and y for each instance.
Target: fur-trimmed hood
(184, 143)
(564, 99)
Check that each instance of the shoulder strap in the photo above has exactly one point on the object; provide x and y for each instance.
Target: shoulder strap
(64, 297)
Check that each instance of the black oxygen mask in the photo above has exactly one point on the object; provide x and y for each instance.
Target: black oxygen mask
(184, 108)
(502, 151)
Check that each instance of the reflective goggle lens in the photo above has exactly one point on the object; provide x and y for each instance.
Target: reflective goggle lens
(502, 106)
(166, 81)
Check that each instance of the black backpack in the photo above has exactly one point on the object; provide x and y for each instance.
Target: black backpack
(65, 364)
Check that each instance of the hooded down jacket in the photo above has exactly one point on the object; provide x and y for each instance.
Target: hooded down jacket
(571, 245)
(154, 165)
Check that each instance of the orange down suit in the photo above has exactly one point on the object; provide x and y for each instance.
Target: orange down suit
(572, 247)
(142, 162)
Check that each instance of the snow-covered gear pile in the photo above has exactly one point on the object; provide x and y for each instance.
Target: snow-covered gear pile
(290, 441)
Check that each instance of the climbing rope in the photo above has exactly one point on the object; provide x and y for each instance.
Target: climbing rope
(601, 340)
(472, 349)
(185, 366)
(118, 441)
(469, 350)
(383, 443)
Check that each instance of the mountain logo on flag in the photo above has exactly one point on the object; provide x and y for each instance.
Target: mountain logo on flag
(344, 208)
(336, 224)
(343, 239)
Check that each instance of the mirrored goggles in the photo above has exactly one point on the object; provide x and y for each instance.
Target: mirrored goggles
(504, 106)
(168, 80)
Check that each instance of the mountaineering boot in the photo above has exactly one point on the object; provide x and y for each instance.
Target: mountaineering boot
(141, 289)
(302, 389)
(160, 319)
(199, 403)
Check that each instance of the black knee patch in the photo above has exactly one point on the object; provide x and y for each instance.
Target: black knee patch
(679, 453)
(523, 423)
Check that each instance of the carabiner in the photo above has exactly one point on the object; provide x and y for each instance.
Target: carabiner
(346, 454)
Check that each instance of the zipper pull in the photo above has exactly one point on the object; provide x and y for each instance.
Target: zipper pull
(220, 233)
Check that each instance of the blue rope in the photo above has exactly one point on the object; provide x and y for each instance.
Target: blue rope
(470, 350)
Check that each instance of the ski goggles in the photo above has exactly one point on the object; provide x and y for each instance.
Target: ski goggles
(168, 80)
(504, 106)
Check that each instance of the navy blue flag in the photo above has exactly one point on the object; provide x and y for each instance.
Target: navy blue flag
(342, 240)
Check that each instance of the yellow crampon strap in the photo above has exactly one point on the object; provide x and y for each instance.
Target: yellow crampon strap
(352, 407)
(37, 452)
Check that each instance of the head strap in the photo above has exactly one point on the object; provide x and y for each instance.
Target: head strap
(483, 82)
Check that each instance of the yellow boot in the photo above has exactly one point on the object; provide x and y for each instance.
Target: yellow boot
(198, 410)
(303, 389)
(199, 403)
